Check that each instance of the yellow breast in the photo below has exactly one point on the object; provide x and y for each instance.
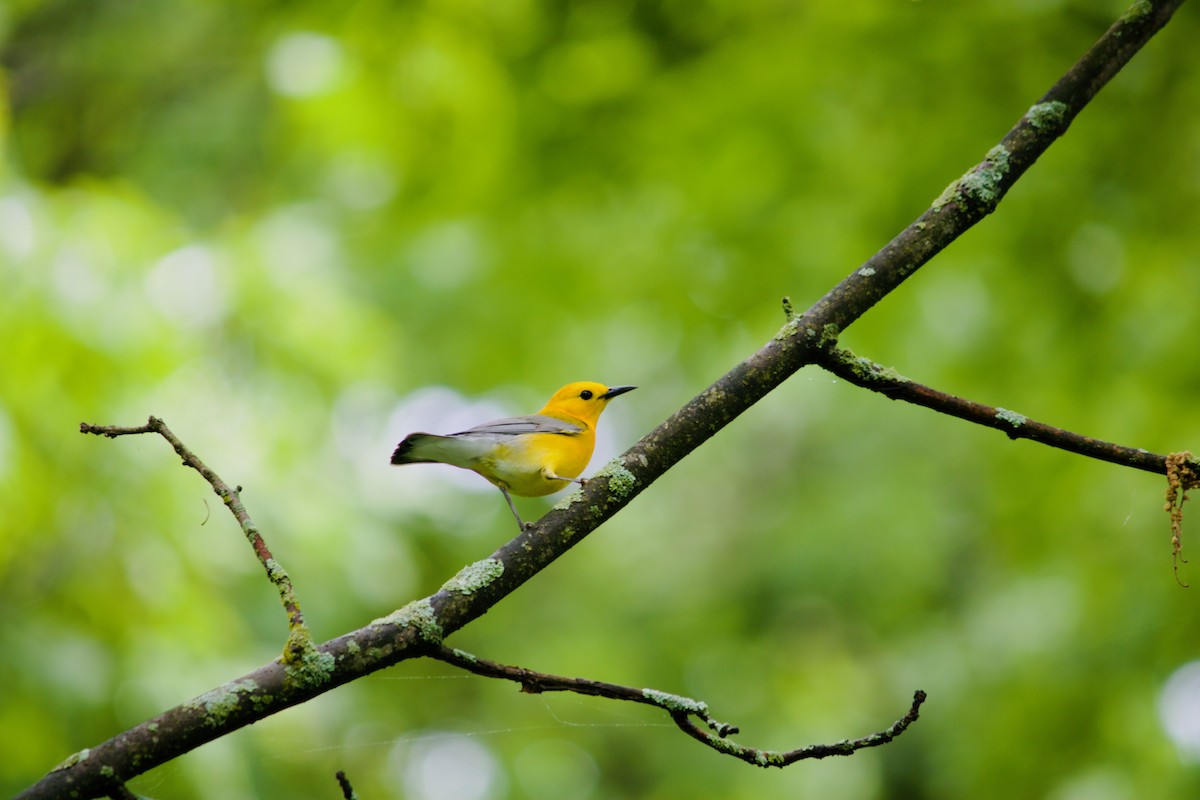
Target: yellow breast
(522, 465)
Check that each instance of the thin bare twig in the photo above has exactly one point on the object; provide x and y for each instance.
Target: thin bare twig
(299, 644)
(347, 789)
(537, 682)
(886, 381)
(771, 758)
(683, 710)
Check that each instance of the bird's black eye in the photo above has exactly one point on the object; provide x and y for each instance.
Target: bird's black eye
(586, 394)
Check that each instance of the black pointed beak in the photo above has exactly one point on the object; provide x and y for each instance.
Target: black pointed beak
(616, 390)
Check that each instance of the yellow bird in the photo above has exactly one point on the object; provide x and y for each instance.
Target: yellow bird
(528, 456)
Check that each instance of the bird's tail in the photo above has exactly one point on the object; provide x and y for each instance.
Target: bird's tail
(417, 449)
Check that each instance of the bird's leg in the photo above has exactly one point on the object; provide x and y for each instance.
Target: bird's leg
(550, 476)
(513, 506)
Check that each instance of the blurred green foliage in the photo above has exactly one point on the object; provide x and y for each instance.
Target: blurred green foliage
(276, 225)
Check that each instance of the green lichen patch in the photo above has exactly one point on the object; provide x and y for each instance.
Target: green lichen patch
(868, 371)
(568, 501)
(948, 196)
(675, 702)
(1011, 417)
(877, 373)
(621, 482)
(1047, 116)
(299, 642)
(261, 702)
(983, 184)
(769, 758)
(474, 577)
(274, 570)
(788, 330)
(723, 745)
(219, 703)
(418, 614)
(311, 668)
(73, 759)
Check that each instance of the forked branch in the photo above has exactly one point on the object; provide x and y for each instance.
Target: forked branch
(1182, 469)
(299, 642)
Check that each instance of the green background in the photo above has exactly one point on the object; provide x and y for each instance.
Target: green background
(297, 232)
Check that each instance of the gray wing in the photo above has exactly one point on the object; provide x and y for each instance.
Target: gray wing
(534, 423)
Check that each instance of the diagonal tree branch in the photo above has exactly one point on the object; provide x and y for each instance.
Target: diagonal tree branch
(683, 710)
(976, 194)
(803, 338)
(413, 630)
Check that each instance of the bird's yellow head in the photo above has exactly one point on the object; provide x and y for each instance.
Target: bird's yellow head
(582, 401)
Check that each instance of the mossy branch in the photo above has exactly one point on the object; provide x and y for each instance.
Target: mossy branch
(684, 711)
(299, 644)
(773, 758)
(886, 381)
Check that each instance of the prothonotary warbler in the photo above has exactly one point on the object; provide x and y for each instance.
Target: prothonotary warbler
(528, 456)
